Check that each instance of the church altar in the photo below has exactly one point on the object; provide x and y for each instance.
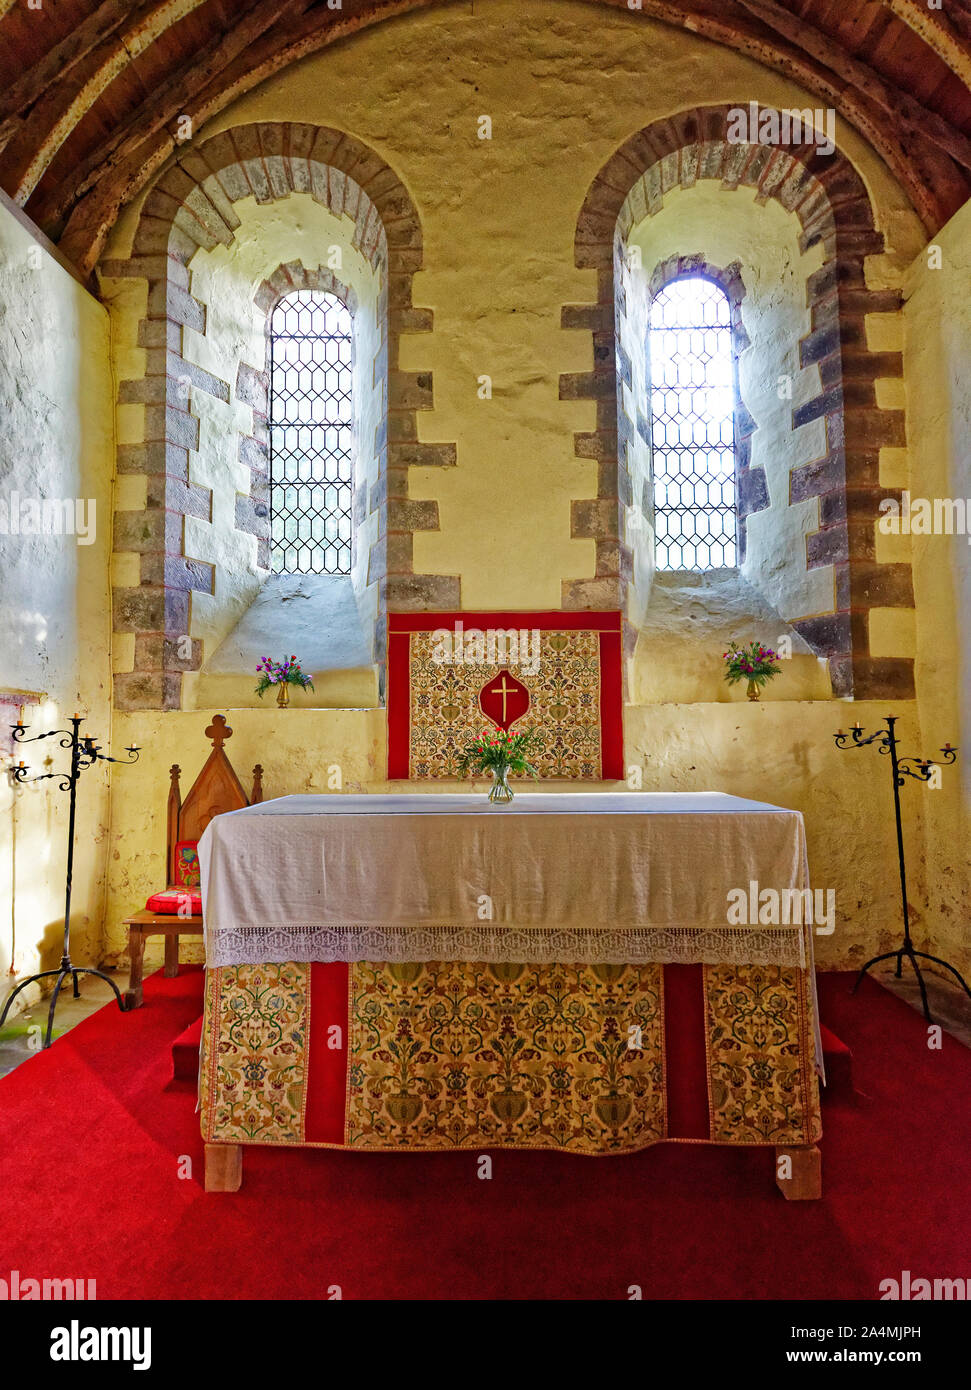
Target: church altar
(432, 972)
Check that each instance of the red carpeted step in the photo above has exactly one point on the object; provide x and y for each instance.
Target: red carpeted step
(93, 1120)
(185, 1052)
(838, 1061)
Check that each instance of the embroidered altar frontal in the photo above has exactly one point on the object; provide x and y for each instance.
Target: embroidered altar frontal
(451, 675)
(585, 1059)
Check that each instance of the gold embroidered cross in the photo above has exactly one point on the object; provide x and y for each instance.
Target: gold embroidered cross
(504, 690)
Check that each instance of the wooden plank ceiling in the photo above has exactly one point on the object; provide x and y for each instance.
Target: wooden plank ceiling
(91, 93)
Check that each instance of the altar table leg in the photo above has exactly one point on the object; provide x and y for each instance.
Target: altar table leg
(136, 953)
(224, 1167)
(171, 957)
(799, 1173)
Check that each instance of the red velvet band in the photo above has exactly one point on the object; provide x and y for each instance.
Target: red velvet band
(399, 705)
(611, 707)
(327, 1062)
(685, 1054)
(548, 620)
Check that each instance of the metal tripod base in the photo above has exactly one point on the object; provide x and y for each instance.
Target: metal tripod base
(908, 951)
(62, 972)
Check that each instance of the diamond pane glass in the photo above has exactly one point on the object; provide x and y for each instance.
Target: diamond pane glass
(693, 426)
(311, 434)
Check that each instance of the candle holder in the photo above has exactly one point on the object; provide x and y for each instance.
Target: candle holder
(84, 754)
(920, 770)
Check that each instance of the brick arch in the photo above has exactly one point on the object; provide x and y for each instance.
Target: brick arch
(830, 199)
(191, 207)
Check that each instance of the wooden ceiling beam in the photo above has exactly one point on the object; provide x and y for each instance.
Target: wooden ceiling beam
(960, 17)
(937, 31)
(174, 99)
(32, 142)
(902, 109)
(57, 62)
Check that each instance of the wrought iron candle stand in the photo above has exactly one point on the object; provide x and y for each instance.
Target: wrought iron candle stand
(920, 769)
(84, 754)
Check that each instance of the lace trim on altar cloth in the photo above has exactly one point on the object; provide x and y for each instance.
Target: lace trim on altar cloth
(496, 945)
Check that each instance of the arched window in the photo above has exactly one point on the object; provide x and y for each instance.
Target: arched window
(692, 385)
(311, 434)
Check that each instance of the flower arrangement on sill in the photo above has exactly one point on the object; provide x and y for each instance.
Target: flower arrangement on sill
(754, 663)
(501, 753)
(282, 674)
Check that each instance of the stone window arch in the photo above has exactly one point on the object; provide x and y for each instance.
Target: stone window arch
(191, 206)
(831, 203)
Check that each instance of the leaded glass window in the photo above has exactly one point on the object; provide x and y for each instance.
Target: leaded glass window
(692, 383)
(311, 434)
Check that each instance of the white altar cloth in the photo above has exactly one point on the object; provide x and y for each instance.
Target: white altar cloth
(586, 877)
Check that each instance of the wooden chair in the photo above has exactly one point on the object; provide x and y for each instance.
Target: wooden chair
(178, 911)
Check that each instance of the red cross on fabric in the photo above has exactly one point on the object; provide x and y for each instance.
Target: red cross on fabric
(504, 699)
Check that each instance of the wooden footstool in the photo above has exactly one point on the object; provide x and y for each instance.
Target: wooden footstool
(144, 924)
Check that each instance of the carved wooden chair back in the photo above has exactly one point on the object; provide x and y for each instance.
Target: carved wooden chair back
(215, 790)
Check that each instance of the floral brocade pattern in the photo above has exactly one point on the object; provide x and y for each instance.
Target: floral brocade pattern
(564, 703)
(253, 1076)
(454, 1055)
(762, 1082)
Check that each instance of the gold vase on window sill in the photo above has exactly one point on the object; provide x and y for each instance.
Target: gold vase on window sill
(752, 690)
(283, 694)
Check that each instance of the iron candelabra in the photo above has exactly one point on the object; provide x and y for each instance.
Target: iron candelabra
(921, 770)
(85, 753)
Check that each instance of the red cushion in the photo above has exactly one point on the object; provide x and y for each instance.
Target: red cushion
(172, 900)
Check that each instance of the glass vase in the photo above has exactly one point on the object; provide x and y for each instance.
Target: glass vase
(500, 792)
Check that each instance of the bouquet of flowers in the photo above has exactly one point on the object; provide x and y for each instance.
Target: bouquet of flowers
(286, 672)
(500, 753)
(754, 663)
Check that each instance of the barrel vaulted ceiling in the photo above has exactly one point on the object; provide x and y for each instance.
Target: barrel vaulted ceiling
(91, 94)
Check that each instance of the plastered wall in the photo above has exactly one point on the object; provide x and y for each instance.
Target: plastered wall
(57, 442)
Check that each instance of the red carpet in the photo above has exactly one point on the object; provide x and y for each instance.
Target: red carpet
(185, 1052)
(94, 1130)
